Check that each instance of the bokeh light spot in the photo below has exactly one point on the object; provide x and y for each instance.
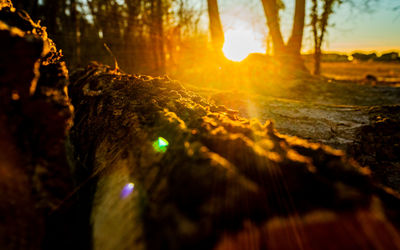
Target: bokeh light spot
(127, 190)
(160, 145)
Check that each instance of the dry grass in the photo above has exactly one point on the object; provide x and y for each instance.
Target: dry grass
(358, 70)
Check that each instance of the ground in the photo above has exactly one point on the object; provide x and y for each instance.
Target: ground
(384, 71)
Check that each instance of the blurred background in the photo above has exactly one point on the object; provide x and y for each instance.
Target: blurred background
(184, 38)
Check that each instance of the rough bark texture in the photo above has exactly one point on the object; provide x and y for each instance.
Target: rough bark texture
(35, 114)
(221, 182)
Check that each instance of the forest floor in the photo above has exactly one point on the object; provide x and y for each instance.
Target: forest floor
(356, 71)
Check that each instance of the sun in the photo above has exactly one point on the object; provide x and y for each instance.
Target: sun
(239, 43)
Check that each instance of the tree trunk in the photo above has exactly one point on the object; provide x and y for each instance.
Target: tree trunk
(51, 15)
(317, 61)
(314, 27)
(75, 32)
(271, 13)
(131, 45)
(288, 55)
(325, 18)
(217, 33)
(157, 36)
(319, 25)
(296, 38)
(160, 36)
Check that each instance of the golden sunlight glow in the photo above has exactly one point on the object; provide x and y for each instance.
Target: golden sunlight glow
(239, 43)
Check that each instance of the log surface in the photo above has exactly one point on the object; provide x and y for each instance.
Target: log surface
(221, 181)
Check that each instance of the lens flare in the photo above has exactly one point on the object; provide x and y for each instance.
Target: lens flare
(127, 190)
(239, 43)
(160, 145)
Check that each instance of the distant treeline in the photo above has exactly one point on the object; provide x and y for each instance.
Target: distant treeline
(362, 57)
(387, 57)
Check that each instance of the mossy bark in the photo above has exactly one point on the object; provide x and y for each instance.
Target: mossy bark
(219, 181)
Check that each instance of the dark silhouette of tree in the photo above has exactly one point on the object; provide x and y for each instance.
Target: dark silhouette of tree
(272, 15)
(133, 35)
(217, 33)
(291, 50)
(295, 42)
(319, 24)
(157, 35)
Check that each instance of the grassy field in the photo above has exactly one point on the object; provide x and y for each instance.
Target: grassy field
(358, 70)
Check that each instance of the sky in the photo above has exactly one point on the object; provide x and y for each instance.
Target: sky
(377, 30)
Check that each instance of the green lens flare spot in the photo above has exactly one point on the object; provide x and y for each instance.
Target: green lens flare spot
(160, 145)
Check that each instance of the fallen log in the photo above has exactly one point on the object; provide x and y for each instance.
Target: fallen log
(158, 167)
(173, 171)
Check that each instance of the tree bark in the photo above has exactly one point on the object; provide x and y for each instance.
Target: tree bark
(217, 33)
(295, 42)
(271, 13)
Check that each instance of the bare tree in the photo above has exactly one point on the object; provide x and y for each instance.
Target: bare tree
(217, 33)
(132, 33)
(75, 31)
(272, 15)
(157, 35)
(292, 49)
(52, 13)
(319, 23)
